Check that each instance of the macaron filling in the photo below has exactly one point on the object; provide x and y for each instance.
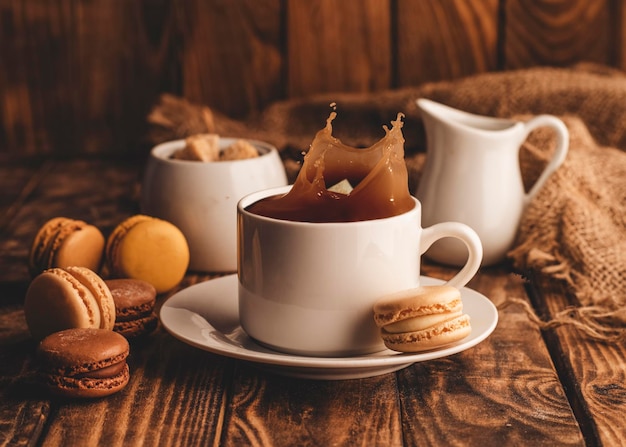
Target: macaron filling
(447, 328)
(87, 387)
(422, 322)
(104, 373)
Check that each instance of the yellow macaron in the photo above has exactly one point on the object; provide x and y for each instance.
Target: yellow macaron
(73, 297)
(149, 249)
(423, 318)
(63, 242)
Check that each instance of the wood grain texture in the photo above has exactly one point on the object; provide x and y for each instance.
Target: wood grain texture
(596, 368)
(504, 391)
(22, 422)
(558, 32)
(349, 412)
(231, 53)
(79, 77)
(618, 34)
(17, 180)
(445, 40)
(75, 72)
(338, 46)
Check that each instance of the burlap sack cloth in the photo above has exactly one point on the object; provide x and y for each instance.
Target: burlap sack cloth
(575, 228)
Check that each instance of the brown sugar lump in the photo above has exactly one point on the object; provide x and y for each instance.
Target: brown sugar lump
(83, 362)
(200, 147)
(421, 319)
(206, 148)
(239, 150)
(74, 297)
(63, 242)
(134, 307)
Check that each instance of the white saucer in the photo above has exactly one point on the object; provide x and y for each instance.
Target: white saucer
(206, 315)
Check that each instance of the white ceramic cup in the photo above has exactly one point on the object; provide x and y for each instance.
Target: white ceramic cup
(309, 288)
(200, 198)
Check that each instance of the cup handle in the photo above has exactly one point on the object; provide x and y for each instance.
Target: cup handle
(562, 146)
(468, 236)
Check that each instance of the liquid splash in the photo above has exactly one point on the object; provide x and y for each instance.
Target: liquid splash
(377, 174)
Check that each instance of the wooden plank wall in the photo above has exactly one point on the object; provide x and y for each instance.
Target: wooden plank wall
(79, 76)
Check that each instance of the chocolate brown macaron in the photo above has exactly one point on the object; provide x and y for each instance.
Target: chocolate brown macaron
(83, 362)
(134, 306)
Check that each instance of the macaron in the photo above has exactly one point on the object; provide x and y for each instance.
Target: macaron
(63, 242)
(150, 249)
(83, 362)
(421, 319)
(73, 297)
(134, 306)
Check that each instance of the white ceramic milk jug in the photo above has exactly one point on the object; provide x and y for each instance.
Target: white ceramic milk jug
(472, 175)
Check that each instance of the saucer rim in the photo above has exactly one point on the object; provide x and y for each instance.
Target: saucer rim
(318, 366)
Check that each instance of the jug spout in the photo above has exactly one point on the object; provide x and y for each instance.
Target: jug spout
(434, 112)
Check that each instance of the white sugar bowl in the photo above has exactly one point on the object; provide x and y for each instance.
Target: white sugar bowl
(200, 198)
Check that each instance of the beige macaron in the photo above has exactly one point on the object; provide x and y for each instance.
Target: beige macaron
(74, 297)
(421, 319)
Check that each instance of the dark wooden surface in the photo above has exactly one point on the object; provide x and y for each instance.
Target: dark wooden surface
(79, 76)
(518, 387)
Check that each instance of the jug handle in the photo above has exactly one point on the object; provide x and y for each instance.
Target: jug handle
(560, 152)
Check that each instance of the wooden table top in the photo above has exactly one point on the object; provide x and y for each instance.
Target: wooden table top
(520, 386)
